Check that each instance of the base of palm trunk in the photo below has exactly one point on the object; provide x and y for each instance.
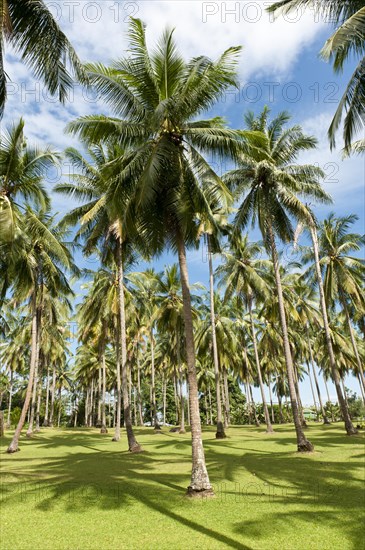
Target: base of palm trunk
(157, 428)
(257, 424)
(29, 434)
(326, 421)
(13, 448)
(182, 431)
(199, 493)
(135, 448)
(103, 430)
(220, 434)
(269, 431)
(37, 430)
(305, 447)
(304, 425)
(352, 431)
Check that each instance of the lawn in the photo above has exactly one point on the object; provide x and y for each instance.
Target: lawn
(76, 489)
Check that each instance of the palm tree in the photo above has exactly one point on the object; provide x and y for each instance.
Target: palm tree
(271, 181)
(160, 97)
(240, 273)
(346, 41)
(343, 273)
(104, 227)
(326, 325)
(146, 288)
(41, 266)
(29, 27)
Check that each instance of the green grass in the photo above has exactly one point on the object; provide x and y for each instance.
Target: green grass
(76, 489)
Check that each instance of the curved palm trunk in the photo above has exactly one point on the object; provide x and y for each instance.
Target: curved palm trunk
(269, 428)
(8, 422)
(199, 476)
(220, 433)
(210, 406)
(302, 443)
(14, 445)
(312, 391)
(153, 388)
(133, 445)
(350, 429)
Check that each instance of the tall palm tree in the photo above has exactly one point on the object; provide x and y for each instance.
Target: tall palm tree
(343, 273)
(103, 226)
(270, 181)
(160, 96)
(240, 273)
(30, 28)
(44, 259)
(347, 41)
(146, 288)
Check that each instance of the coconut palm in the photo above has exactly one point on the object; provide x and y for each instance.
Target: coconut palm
(269, 182)
(347, 41)
(103, 226)
(145, 293)
(343, 273)
(29, 27)
(240, 274)
(41, 268)
(160, 97)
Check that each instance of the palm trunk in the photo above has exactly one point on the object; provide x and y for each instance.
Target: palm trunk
(299, 400)
(210, 405)
(117, 413)
(133, 445)
(59, 407)
(53, 396)
(325, 419)
(35, 381)
(45, 422)
(248, 403)
(280, 410)
(199, 476)
(176, 398)
(269, 428)
(39, 397)
(164, 384)
(360, 371)
(103, 428)
(271, 403)
(153, 388)
(8, 422)
(100, 397)
(312, 391)
(14, 445)
(257, 421)
(220, 433)
(139, 394)
(303, 444)
(350, 429)
(180, 387)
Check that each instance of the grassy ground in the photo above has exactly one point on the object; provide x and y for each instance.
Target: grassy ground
(76, 489)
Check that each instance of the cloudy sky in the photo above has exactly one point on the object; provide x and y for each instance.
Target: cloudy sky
(279, 66)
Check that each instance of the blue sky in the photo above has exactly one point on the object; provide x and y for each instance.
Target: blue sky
(279, 67)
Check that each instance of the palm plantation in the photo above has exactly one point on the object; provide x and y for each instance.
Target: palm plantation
(119, 352)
